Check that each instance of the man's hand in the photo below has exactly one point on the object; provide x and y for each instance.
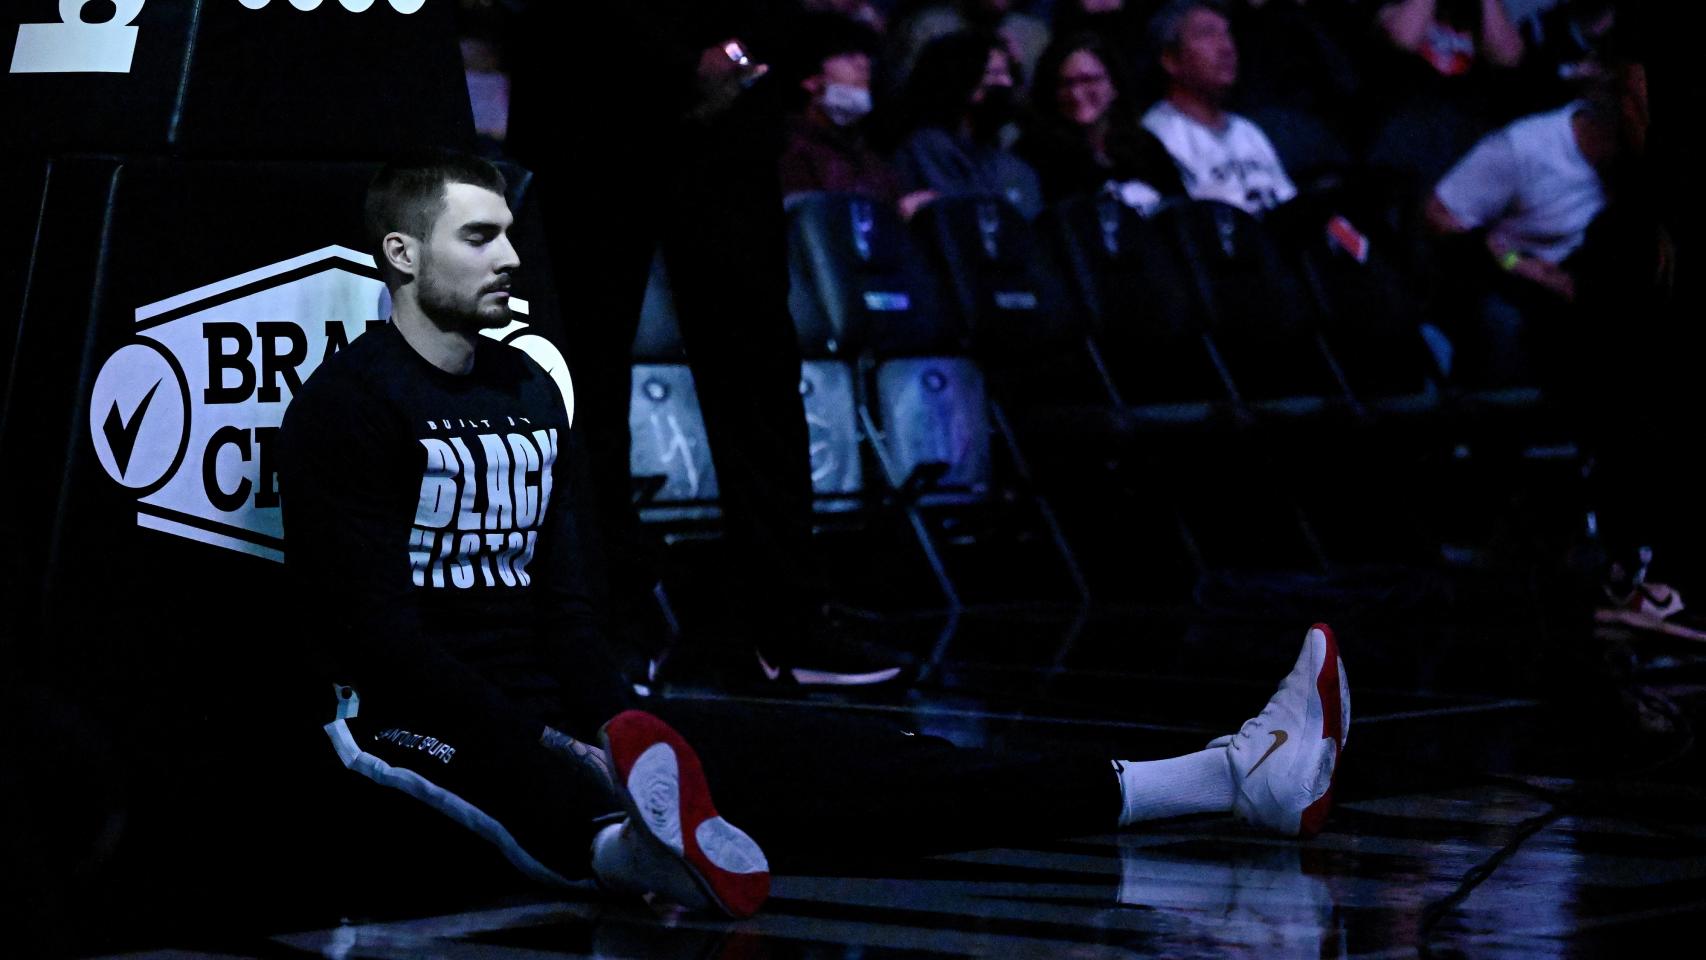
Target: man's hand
(592, 758)
(916, 201)
(721, 78)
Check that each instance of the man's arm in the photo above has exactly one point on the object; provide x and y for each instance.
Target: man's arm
(1500, 41)
(1406, 22)
(1479, 188)
(1472, 198)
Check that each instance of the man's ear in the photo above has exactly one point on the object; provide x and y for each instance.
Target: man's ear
(1170, 63)
(814, 84)
(401, 252)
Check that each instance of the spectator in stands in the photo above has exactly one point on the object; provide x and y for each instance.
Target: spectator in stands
(1021, 35)
(1524, 198)
(1532, 189)
(1087, 137)
(826, 147)
(1119, 23)
(1633, 399)
(1452, 37)
(959, 99)
(1221, 155)
(1454, 80)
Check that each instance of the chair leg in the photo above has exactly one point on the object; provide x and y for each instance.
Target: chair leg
(921, 532)
(1069, 559)
(946, 583)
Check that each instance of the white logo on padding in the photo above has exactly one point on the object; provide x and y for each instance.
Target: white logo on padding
(72, 46)
(353, 6)
(139, 415)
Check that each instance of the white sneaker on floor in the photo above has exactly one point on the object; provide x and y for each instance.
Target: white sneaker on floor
(1284, 759)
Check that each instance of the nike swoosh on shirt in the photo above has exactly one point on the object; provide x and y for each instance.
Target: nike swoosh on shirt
(769, 671)
(1279, 740)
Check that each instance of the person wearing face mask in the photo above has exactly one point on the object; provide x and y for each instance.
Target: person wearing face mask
(1086, 137)
(958, 102)
(826, 148)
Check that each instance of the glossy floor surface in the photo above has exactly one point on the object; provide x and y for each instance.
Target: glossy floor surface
(1476, 819)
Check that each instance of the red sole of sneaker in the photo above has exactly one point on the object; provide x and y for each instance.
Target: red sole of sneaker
(1327, 688)
(628, 735)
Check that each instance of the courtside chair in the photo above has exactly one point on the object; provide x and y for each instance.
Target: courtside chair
(675, 483)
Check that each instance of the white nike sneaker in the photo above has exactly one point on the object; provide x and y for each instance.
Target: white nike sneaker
(1285, 758)
(663, 787)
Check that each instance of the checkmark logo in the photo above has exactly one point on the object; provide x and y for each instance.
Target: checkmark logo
(121, 433)
(1279, 741)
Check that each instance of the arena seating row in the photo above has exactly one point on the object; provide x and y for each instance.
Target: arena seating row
(1251, 393)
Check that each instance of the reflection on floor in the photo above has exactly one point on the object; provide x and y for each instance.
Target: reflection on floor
(1448, 841)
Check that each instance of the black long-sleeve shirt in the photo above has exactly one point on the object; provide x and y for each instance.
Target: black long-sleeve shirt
(429, 528)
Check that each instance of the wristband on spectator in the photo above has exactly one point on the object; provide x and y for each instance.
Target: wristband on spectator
(1508, 262)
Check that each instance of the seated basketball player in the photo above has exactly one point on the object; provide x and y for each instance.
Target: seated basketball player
(429, 478)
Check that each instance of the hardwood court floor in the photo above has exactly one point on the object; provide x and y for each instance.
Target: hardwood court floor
(1472, 823)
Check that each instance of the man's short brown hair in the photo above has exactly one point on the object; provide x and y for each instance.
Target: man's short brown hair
(407, 195)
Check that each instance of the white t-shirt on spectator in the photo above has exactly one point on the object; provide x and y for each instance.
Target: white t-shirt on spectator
(1236, 164)
(1529, 185)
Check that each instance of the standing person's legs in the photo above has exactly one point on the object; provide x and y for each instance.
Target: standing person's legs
(603, 234)
(726, 250)
(595, 128)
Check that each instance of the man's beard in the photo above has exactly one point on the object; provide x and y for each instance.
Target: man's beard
(454, 311)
